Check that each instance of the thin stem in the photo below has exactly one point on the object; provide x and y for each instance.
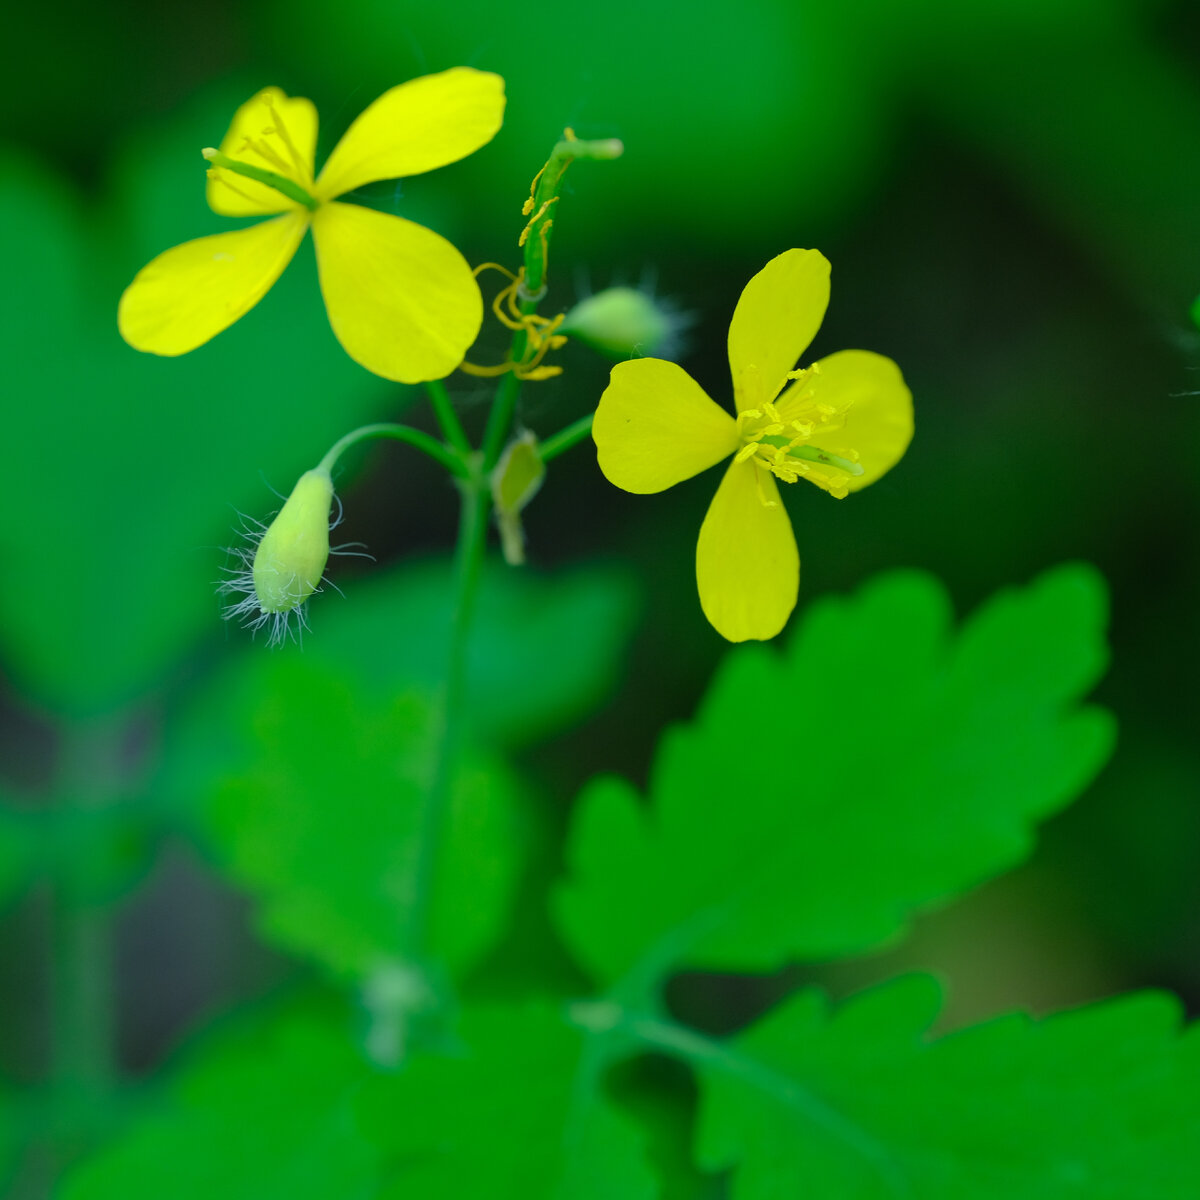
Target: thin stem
(452, 461)
(564, 439)
(82, 1018)
(468, 569)
(447, 417)
(602, 1017)
(503, 407)
(545, 196)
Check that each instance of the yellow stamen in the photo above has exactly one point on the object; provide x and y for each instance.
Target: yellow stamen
(534, 219)
(762, 496)
(280, 128)
(218, 177)
(264, 151)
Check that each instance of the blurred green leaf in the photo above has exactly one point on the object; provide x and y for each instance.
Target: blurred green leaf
(266, 1112)
(1098, 1103)
(546, 648)
(878, 765)
(795, 90)
(519, 1115)
(19, 845)
(128, 467)
(322, 822)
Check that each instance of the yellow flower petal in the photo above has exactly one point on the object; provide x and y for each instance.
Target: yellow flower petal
(747, 566)
(275, 132)
(778, 314)
(189, 293)
(655, 426)
(401, 299)
(878, 422)
(416, 127)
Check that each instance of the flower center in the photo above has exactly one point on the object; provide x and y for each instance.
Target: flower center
(284, 170)
(782, 442)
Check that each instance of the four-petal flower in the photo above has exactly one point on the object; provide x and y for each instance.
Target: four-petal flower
(401, 299)
(841, 424)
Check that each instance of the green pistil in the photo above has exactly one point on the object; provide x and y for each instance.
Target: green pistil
(815, 454)
(289, 188)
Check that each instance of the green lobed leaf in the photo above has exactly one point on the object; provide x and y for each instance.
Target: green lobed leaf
(1099, 1103)
(881, 763)
(518, 1114)
(267, 1112)
(321, 824)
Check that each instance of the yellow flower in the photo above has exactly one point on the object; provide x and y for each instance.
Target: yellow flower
(841, 424)
(401, 299)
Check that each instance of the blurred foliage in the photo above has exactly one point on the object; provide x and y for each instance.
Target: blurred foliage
(1007, 192)
(133, 498)
(515, 1100)
(333, 855)
(265, 1110)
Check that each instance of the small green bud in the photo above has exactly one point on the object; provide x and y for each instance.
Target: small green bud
(515, 481)
(291, 557)
(623, 322)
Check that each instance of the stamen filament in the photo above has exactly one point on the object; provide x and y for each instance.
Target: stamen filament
(286, 138)
(265, 152)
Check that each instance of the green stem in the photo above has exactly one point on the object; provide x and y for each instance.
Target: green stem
(426, 442)
(83, 1072)
(447, 417)
(82, 1011)
(564, 439)
(605, 1017)
(503, 407)
(545, 199)
(468, 569)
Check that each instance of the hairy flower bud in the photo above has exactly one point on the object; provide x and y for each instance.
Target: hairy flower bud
(284, 563)
(623, 322)
(291, 557)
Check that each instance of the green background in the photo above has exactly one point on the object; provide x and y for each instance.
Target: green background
(1007, 192)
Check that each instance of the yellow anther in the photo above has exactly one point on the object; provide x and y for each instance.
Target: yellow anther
(747, 451)
(537, 373)
(534, 219)
(527, 207)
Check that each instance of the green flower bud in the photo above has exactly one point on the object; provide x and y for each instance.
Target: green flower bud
(275, 577)
(291, 557)
(623, 322)
(515, 481)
